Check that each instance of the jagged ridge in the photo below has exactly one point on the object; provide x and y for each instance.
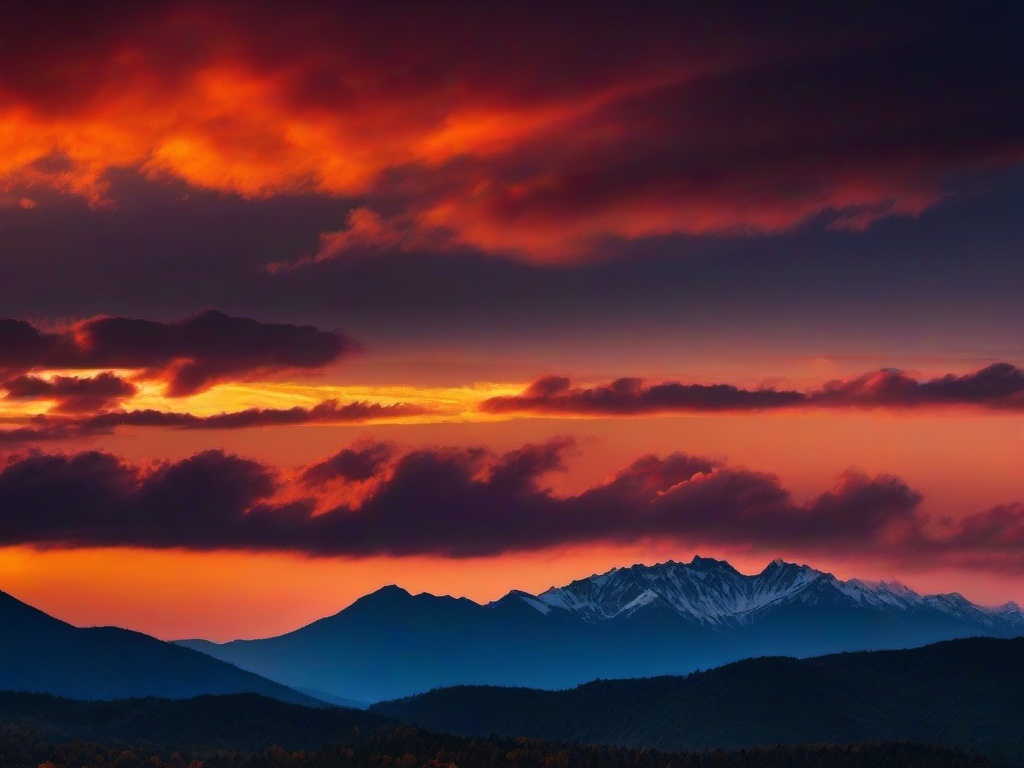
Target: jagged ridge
(713, 593)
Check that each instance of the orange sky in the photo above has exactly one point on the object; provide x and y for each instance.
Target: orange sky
(716, 197)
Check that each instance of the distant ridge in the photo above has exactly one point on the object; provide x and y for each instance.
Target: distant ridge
(965, 694)
(669, 618)
(43, 654)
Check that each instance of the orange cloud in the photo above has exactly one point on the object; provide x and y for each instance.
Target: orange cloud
(490, 129)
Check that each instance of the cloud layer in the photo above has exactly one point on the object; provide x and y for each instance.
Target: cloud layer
(101, 404)
(52, 428)
(999, 386)
(190, 355)
(539, 132)
(461, 502)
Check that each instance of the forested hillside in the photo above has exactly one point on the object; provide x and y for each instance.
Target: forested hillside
(965, 693)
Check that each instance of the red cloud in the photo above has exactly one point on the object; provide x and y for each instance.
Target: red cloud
(495, 127)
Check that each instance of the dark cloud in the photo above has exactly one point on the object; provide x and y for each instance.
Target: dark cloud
(464, 502)
(190, 354)
(41, 429)
(95, 499)
(999, 386)
(352, 464)
(999, 530)
(327, 412)
(44, 428)
(555, 394)
(22, 345)
(73, 394)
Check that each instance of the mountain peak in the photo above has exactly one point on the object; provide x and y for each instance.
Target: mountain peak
(698, 560)
(392, 593)
(778, 564)
(393, 589)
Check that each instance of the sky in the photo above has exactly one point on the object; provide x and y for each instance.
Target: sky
(300, 300)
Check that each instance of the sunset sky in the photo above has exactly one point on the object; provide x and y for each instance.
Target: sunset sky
(300, 300)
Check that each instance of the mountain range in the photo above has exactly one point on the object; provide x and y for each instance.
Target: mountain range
(635, 622)
(640, 621)
(43, 654)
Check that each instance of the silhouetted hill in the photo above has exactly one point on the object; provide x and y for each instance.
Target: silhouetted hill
(243, 721)
(43, 654)
(964, 693)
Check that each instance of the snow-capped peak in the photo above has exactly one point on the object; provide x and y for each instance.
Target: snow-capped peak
(704, 590)
(711, 592)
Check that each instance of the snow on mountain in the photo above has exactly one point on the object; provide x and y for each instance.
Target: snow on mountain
(713, 593)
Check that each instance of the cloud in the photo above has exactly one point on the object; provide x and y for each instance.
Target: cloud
(73, 394)
(83, 499)
(555, 394)
(366, 233)
(998, 531)
(999, 386)
(41, 429)
(327, 412)
(350, 464)
(190, 355)
(501, 129)
(465, 502)
(46, 428)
